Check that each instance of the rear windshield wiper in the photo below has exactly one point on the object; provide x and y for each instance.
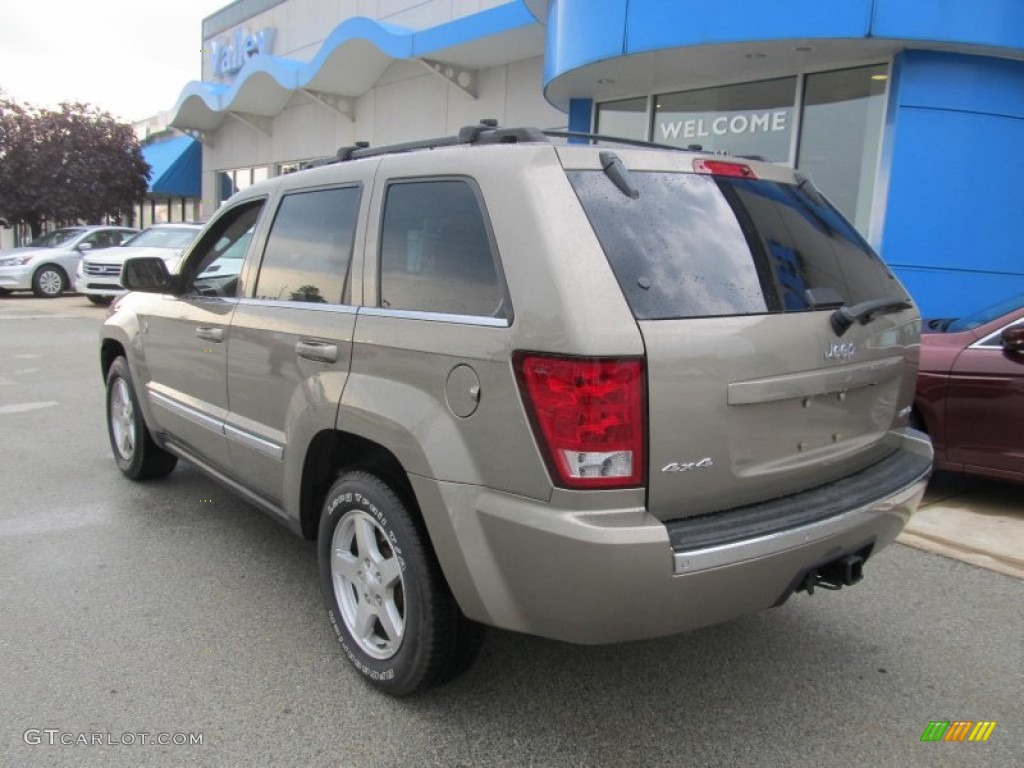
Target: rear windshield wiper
(615, 170)
(844, 317)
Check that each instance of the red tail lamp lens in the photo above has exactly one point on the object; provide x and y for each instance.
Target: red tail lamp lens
(588, 416)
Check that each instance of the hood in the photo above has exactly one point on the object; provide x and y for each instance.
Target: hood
(27, 249)
(118, 254)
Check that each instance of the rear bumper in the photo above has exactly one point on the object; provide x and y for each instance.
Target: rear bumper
(615, 575)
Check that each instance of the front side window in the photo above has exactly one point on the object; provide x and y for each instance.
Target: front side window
(102, 238)
(310, 247)
(215, 264)
(436, 253)
(701, 246)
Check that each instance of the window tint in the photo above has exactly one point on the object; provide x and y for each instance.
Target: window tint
(212, 263)
(436, 255)
(309, 247)
(698, 246)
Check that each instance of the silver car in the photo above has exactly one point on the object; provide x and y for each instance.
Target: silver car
(98, 276)
(593, 393)
(47, 265)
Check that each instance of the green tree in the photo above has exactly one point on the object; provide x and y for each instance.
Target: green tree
(74, 163)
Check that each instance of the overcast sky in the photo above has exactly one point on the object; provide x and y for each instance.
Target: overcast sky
(129, 57)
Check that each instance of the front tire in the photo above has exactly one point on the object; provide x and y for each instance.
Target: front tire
(137, 455)
(49, 281)
(386, 598)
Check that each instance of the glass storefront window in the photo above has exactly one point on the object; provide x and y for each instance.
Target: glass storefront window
(626, 118)
(840, 136)
(237, 179)
(745, 119)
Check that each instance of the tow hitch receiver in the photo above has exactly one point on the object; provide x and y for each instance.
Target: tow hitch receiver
(842, 572)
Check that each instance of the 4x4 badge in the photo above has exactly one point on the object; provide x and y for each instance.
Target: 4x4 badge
(686, 466)
(840, 350)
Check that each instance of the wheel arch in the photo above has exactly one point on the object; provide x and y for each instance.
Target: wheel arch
(110, 350)
(331, 452)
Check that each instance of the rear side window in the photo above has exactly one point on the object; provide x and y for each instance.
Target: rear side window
(693, 245)
(309, 247)
(436, 253)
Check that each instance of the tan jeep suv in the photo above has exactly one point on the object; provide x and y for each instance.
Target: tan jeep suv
(587, 391)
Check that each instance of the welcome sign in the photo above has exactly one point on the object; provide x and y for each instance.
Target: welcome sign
(757, 132)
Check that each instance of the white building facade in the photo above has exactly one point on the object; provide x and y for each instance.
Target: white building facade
(288, 81)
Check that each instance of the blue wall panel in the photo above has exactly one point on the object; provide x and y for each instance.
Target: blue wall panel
(954, 220)
(655, 24)
(980, 22)
(581, 113)
(967, 83)
(956, 294)
(582, 33)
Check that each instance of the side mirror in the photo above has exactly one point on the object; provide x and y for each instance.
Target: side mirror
(148, 274)
(83, 247)
(1013, 341)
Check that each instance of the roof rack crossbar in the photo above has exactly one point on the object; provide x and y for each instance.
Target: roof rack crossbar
(620, 140)
(485, 132)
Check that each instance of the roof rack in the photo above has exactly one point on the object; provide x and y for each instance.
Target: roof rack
(595, 137)
(484, 132)
(487, 131)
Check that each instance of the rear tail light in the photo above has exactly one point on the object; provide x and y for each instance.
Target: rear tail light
(588, 416)
(723, 168)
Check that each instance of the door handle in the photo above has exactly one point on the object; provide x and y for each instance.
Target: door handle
(210, 333)
(318, 351)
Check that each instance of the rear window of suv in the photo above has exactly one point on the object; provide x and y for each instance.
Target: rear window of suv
(693, 245)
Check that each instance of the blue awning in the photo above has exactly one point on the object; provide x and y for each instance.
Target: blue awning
(176, 164)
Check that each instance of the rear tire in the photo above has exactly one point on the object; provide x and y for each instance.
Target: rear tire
(386, 597)
(137, 455)
(49, 281)
(100, 301)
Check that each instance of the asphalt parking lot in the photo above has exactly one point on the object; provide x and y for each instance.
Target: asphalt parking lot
(176, 609)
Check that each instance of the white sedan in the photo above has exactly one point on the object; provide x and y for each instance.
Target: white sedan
(47, 264)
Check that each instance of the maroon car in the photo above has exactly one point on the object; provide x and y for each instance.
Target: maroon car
(970, 391)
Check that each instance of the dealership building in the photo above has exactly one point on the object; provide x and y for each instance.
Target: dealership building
(908, 114)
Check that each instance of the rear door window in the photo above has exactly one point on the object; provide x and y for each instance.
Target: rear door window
(309, 247)
(693, 245)
(436, 251)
